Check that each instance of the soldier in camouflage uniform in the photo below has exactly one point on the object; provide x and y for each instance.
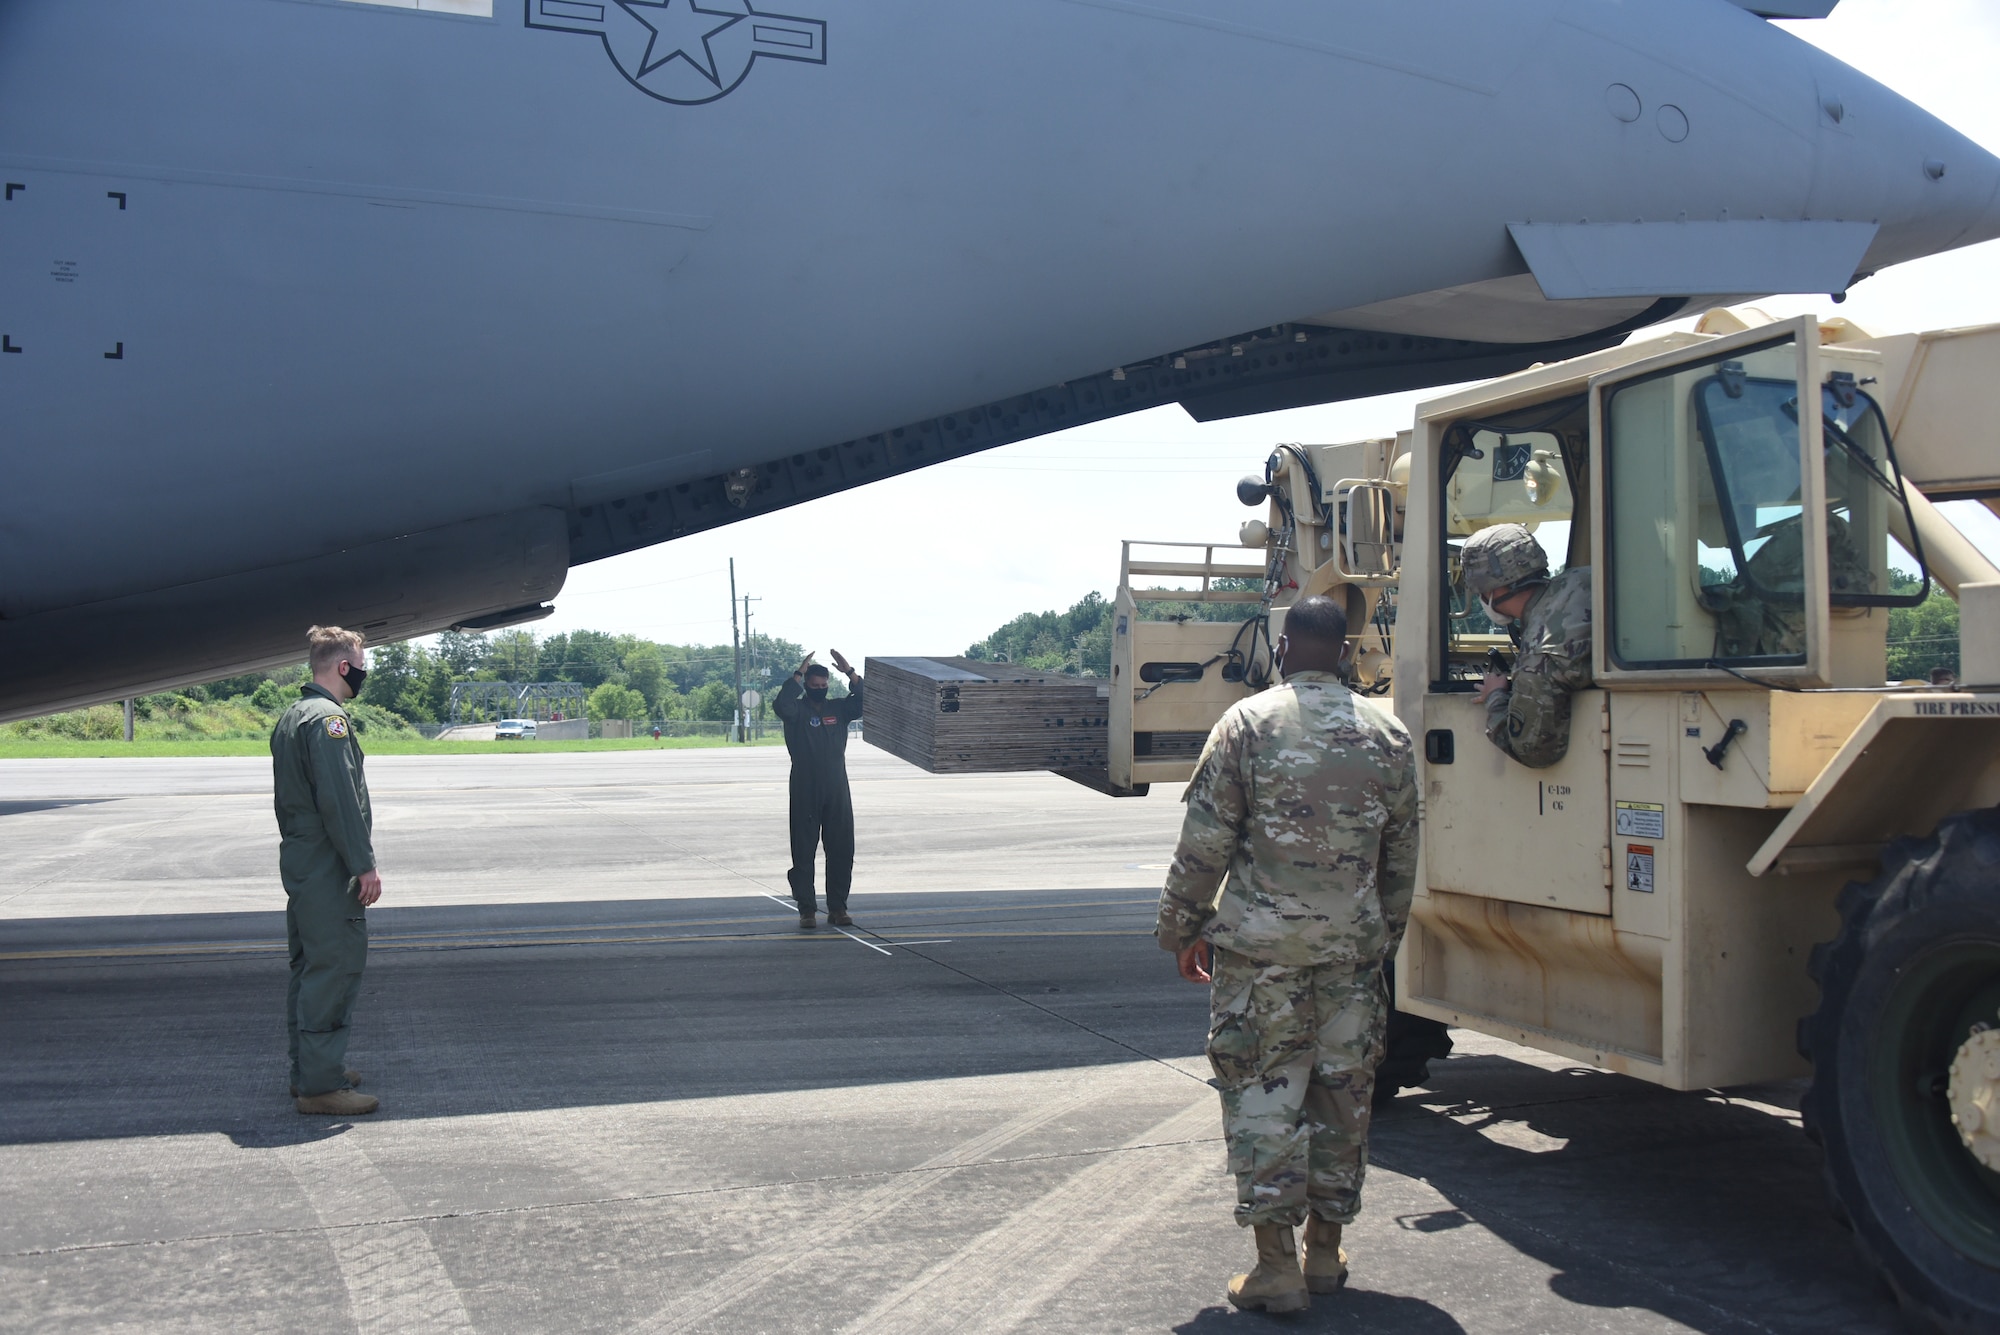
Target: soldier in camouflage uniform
(1527, 714)
(326, 859)
(1289, 889)
(1762, 612)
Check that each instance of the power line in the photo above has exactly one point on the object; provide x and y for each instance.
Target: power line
(1121, 472)
(628, 588)
(669, 625)
(1133, 455)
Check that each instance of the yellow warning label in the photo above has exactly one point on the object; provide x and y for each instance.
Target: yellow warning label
(1644, 820)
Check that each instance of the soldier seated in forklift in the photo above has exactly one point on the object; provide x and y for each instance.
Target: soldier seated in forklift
(1527, 711)
(1762, 612)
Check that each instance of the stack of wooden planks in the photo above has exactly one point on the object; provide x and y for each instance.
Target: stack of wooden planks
(962, 716)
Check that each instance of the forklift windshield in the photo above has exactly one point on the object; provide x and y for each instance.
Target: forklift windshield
(1749, 429)
(1706, 488)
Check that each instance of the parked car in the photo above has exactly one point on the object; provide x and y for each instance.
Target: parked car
(514, 730)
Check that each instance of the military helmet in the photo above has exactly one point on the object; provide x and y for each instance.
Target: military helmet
(1502, 557)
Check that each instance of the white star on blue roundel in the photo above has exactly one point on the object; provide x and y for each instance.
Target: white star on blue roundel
(682, 51)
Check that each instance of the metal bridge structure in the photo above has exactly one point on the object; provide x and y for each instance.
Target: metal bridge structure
(485, 701)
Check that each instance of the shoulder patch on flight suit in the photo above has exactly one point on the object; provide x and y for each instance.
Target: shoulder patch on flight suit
(336, 726)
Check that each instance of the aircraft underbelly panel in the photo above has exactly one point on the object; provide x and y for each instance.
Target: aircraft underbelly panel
(391, 590)
(234, 375)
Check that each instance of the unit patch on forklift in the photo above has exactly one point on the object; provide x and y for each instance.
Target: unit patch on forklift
(1639, 868)
(1647, 820)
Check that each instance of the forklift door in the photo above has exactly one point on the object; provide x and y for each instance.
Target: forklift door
(1492, 826)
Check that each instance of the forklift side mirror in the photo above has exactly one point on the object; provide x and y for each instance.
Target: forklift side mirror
(1368, 518)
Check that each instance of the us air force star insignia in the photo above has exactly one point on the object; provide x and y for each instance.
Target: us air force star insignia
(681, 51)
(336, 726)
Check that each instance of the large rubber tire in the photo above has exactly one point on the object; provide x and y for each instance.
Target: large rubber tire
(1412, 1044)
(1915, 967)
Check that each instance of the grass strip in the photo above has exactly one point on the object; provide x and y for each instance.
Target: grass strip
(71, 749)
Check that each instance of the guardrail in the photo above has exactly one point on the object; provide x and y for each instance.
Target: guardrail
(1207, 570)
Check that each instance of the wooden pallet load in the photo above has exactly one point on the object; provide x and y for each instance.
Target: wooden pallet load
(962, 716)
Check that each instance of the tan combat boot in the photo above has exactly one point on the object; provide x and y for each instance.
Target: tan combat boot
(339, 1103)
(353, 1078)
(1326, 1263)
(1276, 1284)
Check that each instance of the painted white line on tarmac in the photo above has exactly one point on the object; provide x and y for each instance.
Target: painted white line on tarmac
(395, 1280)
(852, 937)
(773, 1264)
(1116, 1201)
(793, 906)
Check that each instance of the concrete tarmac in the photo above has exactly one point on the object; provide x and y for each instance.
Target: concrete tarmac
(621, 1092)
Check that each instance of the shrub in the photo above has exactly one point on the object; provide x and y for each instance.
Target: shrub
(612, 701)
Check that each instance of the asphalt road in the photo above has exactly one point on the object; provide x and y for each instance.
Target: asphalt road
(623, 1093)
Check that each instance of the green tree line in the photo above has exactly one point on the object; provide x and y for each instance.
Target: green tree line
(410, 683)
(1922, 637)
(233, 708)
(626, 676)
(1077, 642)
(633, 678)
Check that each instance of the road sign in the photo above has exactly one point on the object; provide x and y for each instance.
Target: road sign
(751, 699)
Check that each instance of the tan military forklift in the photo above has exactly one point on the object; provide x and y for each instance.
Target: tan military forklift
(1757, 858)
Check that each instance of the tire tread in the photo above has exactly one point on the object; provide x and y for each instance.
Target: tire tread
(1914, 871)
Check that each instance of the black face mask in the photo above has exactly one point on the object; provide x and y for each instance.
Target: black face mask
(815, 692)
(355, 677)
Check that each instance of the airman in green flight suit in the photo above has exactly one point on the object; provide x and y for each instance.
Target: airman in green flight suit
(326, 858)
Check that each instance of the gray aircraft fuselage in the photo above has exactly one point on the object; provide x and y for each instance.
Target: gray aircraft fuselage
(328, 311)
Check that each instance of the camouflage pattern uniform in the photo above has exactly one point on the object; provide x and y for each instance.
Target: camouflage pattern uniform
(1529, 720)
(1297, 862)
(1762, 613)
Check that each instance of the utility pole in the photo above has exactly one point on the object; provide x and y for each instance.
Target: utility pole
(750, 652)
(736, 645)
(128, 718)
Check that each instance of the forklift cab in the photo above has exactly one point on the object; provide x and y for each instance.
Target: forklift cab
(1745, 539)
